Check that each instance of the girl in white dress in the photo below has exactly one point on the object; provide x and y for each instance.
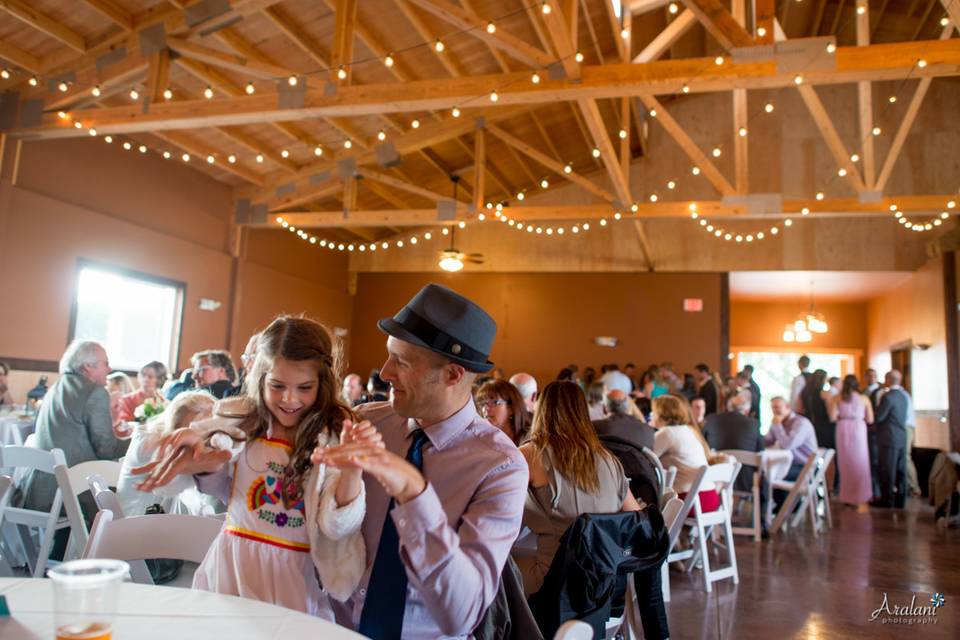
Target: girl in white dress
(285, 517)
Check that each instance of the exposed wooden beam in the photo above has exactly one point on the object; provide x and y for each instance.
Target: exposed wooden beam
(494, 51)
(614, 23)
(764, 14)
(44, 23)
(251, 67)
(480, 169)
(667, 38)
(865, 99)
(563, 45)
(836, 17)
(513, 46)
(20, 58)
(874, 62)
(880, 14)
(345, 19)
(111, 10)
(923, 19)
(818, 18)
(907, 123)
(952, 7)
(444, 58)
(830, 136)
(741, 144)
(624, 132)
(125, 72)
(699, 158)
(297, 35)
(644, 244)
(401, 184)
(200, 150)
(719, 23)
(247, 141)
(711, 209)
(591, 30)
(598, 131)
(388, 195)
(549, 163)
(158, 76)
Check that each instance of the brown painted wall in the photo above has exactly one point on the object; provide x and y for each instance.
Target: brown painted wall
(547, 321)
(760, 324)
(86, 199)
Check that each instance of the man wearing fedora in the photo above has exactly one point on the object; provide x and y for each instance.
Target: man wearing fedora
(445, 497)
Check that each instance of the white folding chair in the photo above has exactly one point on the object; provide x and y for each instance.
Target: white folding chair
(820, 496)
(73, 482)
(574, 630)
(675, 528)
(47, 523)
(799, 492)
(708, 525)
(164, 535)
(670, 477)
(657, 466)
(749, 459)
(667, 496)
(6, 489)
(107, 500)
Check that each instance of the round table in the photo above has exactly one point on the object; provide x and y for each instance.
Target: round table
(147, 612)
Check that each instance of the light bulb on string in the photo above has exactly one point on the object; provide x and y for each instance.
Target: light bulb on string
(318, 151)
(108, 139)
(653, 113)
(455, 112)
(5, 73)
(63, 87)
(718, 60)
(545, 8)
(284, 153)
(127, 146)
(596, 152)
(491, 28)
(211, 159)
(259, 158)
(438, 46)
(535, 78)
(716, 152)
(892, 99)
(673, 8)
(798, 79)
(567, 168)
(876, 131)
(134, 94)
(232, 159)
(33, 81)
(388, 60)
(208, 93)
(578, 56)
(820, 195)
(342, 72)
(831, 48)
(623, 134)
(686, 88)
(742, 132)
(415, 124)
(695, 170)
(185, 157)
(250, 89)
(142, 148)
(494, 96)
(381, 135)
(768, 107)
(854, 157)
(761, 32)
(921, 62)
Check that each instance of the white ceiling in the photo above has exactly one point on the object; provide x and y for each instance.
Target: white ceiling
(833, 286)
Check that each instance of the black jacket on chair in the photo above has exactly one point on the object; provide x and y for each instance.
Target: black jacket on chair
(644, 484)
(587, 577)
(508, 617)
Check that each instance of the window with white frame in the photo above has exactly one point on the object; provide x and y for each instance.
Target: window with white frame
(137, 317)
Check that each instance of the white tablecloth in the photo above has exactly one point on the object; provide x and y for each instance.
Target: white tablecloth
(160, 613)
(776, 464)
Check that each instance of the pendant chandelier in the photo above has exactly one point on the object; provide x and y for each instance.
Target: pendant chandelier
(807, 323)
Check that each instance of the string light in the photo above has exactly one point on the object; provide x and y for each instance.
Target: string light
(596, 152)
(567, 168)
(166, 155)
(293, 81)
(284, 153)
(831, 47)
(168, 94)
(62, 115)
(673, 8)
(921, 63)
(718, 60)
(855, 158)
(78, 125)
(232, 159)
(347, 144)
(494, 96)
(695, 171)
(623, 134)
(545, 8)
(761, 31)
(491, 28)
(876, 131)
(134, 94)
(127, 146)
(743, 132)
(653, 113)
(535, 78)
(211, 159)
(33, 81)
(944, 21)
(861, 10)
(544, 183)
(93, 132)
(415, 124)
(768, 107)
(438, 46)
(388, 60)
(342, 73)
(259, 158)
(716, 152)
(5, 73)
(578, 57)
(318, 151)
(143, 148)
(381, 135)
(108, 139)
(798, 79)
(208, 92)
(185, 157)
(455, 112)
(841, 172)
(671, 185)
(250, 89)
(96, 91)
(686, 88)
(820, 195)
(892, 99)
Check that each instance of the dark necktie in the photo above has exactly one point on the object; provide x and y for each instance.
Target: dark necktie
(387, 590)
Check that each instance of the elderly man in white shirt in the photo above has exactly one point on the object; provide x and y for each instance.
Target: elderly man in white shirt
(616, 379)
(526, 384)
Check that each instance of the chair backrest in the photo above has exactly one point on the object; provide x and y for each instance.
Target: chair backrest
(723, 476)
(671, 512)
(157, 536)
(744, 457)
(31, 458)
(574, 630)
(667, 496)
(657, 465)
(6, 482)
(75, 477)
(103, 496)
(688, 502)
(671, 476)
(825, 457)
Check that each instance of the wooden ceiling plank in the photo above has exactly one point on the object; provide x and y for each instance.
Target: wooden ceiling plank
(200, 151)
(907, 122)
(513, 46)
(297, 35)
(666, 38)
(926, 16)
(44, 23)
(830, 136)
(741, 143)
(719, 23)
(598, 131)
(865, 100)
(128, 71)
(20, 58)
(592, 31)
(614, 23)
(952, 7)
(698, 157)
(158, 75)
(446, 60)
(564, 47)
(550, 163)
(480, 169)
(401, 185)
(252, 67)
(112, 11)
(345, 20)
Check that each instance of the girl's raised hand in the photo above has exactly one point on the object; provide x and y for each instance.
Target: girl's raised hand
(181, 452)
(360, 433)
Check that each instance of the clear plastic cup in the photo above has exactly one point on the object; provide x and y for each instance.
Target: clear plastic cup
(85, 597)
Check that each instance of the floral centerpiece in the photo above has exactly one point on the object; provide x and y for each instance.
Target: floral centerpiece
(151, 407)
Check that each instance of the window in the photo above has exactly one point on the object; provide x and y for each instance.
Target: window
(137, 317)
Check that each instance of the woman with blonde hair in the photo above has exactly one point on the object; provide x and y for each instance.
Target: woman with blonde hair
(188, 407)
(678, 443)
(571, 473)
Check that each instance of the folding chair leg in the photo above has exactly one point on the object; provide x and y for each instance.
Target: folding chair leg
(731, 551)
(756, 516)
(665, 581)
(29, 550)
(705, 559)
(49, 533)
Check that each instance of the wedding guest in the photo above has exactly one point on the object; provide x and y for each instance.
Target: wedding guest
(151, 377)
(689, 387)
(378, 389)
(188, 407)
(678, 443)
(616, 379)
(589, 377)
(75, 418)
(891, 424)
(119, 382)
(620, 424)
(698, 406)
(184, 383)
(707, 387)
(440, 523)
(352, 389)
(746, 380)
(793, 432)
(248, 357)
(595, 395)
(5, 397)
(798, 383)
(852, 412)
(501, 404)
(814, 400)
(735, 429)
(834, 386)
(213, 371)
(571, 473)
(630, 370)
(526, 384)
(655, 385)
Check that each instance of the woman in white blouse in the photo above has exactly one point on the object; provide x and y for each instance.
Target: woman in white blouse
(677, 443)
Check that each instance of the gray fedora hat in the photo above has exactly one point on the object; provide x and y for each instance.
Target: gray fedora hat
(443, 321)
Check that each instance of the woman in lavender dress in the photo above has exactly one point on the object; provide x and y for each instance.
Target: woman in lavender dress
(852, 412)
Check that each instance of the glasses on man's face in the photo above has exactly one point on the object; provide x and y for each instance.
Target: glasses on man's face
(494, 402)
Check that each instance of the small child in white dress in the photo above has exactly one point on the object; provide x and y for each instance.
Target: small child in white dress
(288, 521)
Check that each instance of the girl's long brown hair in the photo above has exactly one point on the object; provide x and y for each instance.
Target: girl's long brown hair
(562, 423)
(298, 339)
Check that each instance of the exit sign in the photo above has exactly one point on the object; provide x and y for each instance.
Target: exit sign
(693, 304)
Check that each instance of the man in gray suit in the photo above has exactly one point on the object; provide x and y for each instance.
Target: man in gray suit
(75, 417)
(625, 437)
(890, 426)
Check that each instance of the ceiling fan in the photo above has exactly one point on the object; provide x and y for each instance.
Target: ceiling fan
(452, 259)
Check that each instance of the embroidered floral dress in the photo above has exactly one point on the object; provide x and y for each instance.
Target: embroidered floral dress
(263, 551)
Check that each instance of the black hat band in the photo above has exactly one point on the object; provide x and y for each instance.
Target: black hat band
(437, 338)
